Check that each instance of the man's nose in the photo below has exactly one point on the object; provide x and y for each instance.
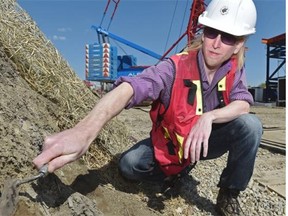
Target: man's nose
(217, 42)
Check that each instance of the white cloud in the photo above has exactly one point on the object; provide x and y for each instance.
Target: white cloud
(59, 37)
(63, 29)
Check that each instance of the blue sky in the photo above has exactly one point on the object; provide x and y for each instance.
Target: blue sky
(67, 23)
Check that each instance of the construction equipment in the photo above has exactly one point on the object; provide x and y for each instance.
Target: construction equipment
(104, 65)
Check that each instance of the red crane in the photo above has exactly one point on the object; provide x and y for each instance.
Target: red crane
(197, 7)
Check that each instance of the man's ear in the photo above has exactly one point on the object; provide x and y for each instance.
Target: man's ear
(238, 46)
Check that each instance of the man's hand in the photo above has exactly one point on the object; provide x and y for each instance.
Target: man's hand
(199, 135)
(61, 148)
(198, 138)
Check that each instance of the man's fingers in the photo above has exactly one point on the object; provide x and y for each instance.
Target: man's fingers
(194, 146)
(205, 148)
(198, 150)
(45, 157)
(187, 147)
(193, 151)
(54, 163)
(59, 162)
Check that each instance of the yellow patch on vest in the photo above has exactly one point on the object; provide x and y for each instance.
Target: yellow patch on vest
(222, 84)
(180, 140)
(199, 110)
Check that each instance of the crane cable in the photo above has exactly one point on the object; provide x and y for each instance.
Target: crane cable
(180, 31)
(199, 4)
(104, 14)
(105, 11)
(184, 16)
(169, 32)
(118, 45)
(115, 8)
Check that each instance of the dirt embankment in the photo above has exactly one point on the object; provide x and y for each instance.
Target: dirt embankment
(26, 118)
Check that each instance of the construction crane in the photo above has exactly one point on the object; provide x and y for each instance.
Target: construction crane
(104, 65)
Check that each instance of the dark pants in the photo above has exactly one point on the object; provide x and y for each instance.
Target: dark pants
(241, 137)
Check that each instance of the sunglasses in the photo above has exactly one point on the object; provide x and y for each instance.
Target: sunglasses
(226, 38)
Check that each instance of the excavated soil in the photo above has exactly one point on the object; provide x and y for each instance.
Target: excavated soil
(26, 117)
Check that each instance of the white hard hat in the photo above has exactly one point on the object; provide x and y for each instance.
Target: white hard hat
(236, 17)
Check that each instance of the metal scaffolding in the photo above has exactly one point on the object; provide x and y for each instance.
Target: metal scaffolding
(276, 50)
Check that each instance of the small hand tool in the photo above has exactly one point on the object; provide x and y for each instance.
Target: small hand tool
(9, 197)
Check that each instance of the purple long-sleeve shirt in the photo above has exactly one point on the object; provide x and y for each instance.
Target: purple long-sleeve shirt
(156, 81)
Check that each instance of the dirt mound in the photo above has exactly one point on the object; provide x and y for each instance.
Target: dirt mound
(40, 95)
(26, 117)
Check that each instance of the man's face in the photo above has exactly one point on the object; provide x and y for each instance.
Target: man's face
(218, 47)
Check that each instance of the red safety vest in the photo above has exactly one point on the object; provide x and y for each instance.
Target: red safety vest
(172, 125)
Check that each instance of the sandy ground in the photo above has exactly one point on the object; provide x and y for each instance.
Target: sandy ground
(26, 117)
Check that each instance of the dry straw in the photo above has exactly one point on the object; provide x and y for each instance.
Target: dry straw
(47, 72)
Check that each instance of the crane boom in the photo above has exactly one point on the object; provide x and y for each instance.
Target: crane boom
(105, 33)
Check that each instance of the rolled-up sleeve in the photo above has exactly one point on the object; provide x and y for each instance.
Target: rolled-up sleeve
(151, 83)
(240, 88)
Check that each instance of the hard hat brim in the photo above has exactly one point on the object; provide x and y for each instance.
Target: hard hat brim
(227, 29)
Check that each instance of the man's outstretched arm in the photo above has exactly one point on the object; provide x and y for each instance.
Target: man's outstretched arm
(69, 145)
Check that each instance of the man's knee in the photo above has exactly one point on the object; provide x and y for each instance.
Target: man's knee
(253, 122)
(125, 166)
(248, 132)
(249, 124)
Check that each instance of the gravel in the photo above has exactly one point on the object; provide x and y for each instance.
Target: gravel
(196, 194)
